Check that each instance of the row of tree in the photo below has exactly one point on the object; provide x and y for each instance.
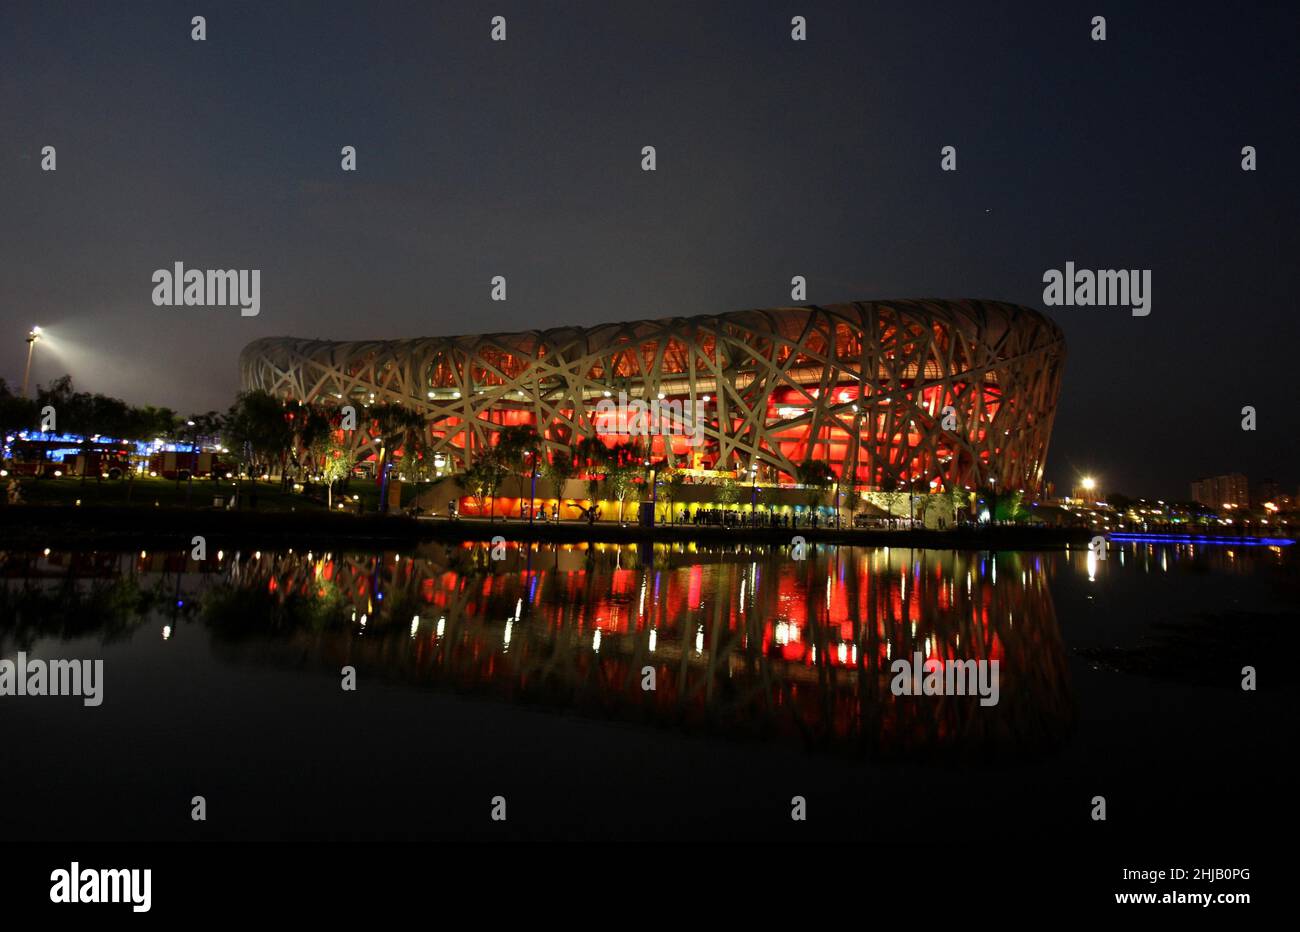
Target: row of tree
(294, 439)
(83, 413)
(262, 434)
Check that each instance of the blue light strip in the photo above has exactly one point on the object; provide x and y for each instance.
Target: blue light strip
(1199, 539)
(142, 447)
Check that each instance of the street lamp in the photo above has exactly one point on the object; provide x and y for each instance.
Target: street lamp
(32, 336)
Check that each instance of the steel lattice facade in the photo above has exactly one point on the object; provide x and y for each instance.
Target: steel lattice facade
(937, 392)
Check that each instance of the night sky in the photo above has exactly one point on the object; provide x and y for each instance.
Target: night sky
(775, 158)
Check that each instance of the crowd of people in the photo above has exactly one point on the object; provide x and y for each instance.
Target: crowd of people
(729, 518)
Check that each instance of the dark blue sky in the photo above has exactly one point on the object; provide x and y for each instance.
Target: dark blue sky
(776, 158)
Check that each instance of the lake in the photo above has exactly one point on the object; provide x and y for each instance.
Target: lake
(656, 692)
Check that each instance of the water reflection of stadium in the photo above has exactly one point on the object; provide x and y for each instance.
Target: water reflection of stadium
(743, 640)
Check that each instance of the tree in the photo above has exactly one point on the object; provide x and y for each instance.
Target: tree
(625, 467)
(1011, 507)
(728, 492)
(593, 458)
(336, 464)
(853, 496)
(483, 479)
(846, 492)
(558, 471)
(257, 430)
(518, 448)
(959, 498)
(309, 425)
(16, 413)
(923, 503)
(816, 476)
(894, 495)
(674, 482)
(397, 426)
(201, 429)
(592, 455)
(59, 395)
(89, 414)
(419, 468)
(149, 421)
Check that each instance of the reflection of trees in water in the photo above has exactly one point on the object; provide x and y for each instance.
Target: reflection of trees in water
(743, 641)
(238, 612)
(87, 595)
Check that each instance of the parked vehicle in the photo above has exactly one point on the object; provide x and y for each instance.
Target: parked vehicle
(106, 463)
(181, 465)
(51, 459)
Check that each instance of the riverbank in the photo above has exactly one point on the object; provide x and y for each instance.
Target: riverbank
(106, 527)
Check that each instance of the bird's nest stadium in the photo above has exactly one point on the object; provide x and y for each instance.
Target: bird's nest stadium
(934, 393)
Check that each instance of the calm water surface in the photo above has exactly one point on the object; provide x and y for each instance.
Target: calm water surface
(524, 676)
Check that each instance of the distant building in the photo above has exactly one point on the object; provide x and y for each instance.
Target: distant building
(1218, 491)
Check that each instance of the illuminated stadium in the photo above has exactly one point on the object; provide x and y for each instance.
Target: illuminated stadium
(924, 393)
